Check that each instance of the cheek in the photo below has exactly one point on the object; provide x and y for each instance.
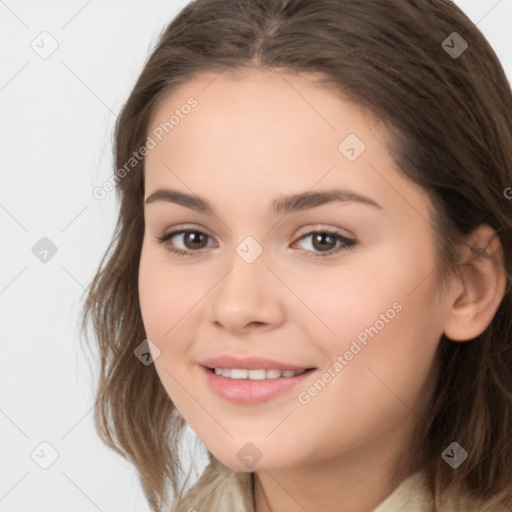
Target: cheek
(167, 291)
(387, 331)
(378, 291)
(165, 296)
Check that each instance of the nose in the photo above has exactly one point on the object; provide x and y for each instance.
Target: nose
(248, 296)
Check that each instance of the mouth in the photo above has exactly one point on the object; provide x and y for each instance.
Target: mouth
(249, 387)
(257, 374)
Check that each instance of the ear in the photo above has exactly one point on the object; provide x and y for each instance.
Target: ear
(479, 288)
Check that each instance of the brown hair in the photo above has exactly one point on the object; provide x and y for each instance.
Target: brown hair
(450, 122)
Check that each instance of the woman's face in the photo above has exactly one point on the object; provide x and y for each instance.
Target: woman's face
(261, 278)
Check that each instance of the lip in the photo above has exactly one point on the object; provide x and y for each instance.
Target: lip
(249, 363)
(245, 391)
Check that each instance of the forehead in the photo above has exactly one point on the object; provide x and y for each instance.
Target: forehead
(265, 132)
(260, 118)
(264, 96)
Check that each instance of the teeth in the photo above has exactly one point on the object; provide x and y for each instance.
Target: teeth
(255, 374)
(238, 373)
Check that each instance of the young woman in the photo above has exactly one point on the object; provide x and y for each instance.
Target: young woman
(312, 262)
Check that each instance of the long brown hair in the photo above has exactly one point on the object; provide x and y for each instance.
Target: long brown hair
(450, 121)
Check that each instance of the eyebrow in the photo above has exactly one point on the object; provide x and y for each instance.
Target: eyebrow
(281, 205)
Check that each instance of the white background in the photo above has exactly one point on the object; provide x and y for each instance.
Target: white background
(56, 121)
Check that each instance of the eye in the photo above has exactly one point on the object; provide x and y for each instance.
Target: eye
(193, 237)
(323, 242)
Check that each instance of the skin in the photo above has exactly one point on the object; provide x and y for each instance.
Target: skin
(253, 138)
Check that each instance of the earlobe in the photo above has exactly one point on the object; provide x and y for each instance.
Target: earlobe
(483, 284)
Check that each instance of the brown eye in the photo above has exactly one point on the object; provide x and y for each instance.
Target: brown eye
(323, 243)
(191, 241)
(194, 239)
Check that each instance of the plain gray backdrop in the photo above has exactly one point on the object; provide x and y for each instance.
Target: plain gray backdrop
(66, 70)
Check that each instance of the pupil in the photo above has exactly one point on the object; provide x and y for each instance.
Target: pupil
(321, 237)
(194, 237)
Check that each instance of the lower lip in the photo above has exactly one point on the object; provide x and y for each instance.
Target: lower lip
(245, 391)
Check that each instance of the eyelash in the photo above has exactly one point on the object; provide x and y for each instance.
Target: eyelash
(348, 243)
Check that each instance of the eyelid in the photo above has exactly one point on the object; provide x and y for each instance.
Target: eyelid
(325, 227)
(186, 227)
(303, 231)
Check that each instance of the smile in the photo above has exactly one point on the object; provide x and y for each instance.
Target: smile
(243, 386)
(262, 374)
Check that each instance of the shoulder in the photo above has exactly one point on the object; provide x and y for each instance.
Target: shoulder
(219, 489)
(415, 495)
(412, 495)
(470, 503)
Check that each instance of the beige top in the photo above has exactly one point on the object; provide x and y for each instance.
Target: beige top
(220, 489)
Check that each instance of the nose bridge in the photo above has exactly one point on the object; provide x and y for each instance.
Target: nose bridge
(246, 294)
(246, 275)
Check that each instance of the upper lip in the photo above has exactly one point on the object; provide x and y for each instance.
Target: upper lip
(249, 363)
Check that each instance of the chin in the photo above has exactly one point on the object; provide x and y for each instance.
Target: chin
(249, 458)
